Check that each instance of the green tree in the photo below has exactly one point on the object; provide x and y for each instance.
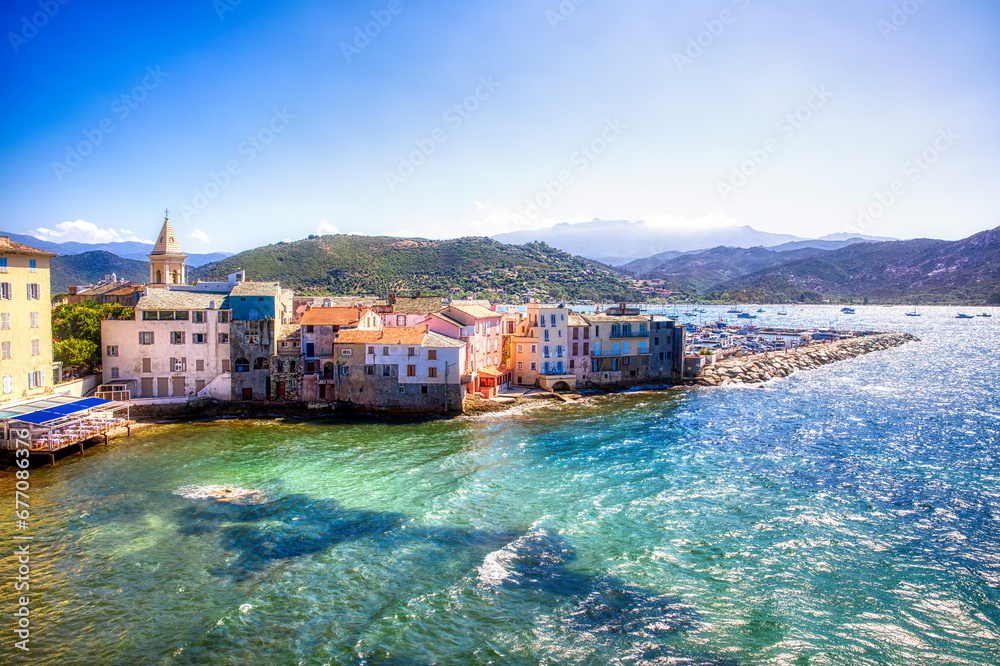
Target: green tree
(76, 331)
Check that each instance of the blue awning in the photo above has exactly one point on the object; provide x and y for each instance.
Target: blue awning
(48, 412)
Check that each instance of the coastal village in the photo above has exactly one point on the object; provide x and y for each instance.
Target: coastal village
(261, 345)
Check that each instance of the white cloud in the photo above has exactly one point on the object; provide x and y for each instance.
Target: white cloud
(200, 235)
(325, 228)
(84, 232)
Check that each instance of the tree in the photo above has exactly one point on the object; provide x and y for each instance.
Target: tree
(76, 331)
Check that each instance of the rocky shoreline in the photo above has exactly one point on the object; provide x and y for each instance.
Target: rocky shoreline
(763, 367)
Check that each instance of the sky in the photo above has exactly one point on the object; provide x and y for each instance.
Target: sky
(255, 122)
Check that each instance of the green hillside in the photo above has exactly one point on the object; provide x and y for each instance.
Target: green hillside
(342, 264)
(91, 267)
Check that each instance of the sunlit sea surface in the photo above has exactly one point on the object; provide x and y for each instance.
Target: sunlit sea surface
(847, 515)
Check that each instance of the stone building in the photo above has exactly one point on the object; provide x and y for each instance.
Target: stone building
(252, 344)
(666, 347)
(619, 353)
(288, 365)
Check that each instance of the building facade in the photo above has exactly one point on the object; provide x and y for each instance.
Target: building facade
(620, 347)
(666, 347)
(25, 321)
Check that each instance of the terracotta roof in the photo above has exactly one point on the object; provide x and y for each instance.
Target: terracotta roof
(490, 372)
(474, 310)
(13, 247)
(332, 316)
(445, 318)
(400, 335)
(166, 242)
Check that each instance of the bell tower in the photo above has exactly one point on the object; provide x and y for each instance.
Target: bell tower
(166, 261)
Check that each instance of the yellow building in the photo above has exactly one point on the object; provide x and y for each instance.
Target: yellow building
(25, 321)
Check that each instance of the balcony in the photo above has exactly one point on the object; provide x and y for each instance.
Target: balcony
(629, 334)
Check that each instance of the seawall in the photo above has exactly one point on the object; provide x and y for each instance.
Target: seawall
(762, 367)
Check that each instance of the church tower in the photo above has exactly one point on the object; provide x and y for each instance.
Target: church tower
(166, 261)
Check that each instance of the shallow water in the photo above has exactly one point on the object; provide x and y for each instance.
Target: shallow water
(846, 515)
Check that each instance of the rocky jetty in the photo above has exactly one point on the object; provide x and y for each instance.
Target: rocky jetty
(762, 367)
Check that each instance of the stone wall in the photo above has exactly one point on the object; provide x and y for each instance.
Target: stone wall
(762, 367)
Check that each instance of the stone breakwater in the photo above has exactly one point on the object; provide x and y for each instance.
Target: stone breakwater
(762, 367)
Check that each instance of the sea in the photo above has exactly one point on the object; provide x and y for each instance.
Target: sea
(844, 515)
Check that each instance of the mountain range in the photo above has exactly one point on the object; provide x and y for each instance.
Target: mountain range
(617, 242)
(126, 249)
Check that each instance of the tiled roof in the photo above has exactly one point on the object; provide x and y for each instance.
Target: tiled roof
(166, 299)
(433, 339)
(13, 247)
(417, 305)
(290, 332)
(574, 319)
(256, 289)
(399, 335)
(167, 243)
(474, 310)
(628, 319)
(332, 316)
(445, 318)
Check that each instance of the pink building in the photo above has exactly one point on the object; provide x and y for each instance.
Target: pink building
(480, 329)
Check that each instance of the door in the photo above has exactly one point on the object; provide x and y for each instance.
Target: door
(146, 390)
(178, 386)
(161, 386)
(281, 390)
(248, 394)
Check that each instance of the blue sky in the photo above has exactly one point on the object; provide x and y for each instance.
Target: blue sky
(256, 122)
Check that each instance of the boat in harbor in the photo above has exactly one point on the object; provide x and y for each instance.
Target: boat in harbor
(964, 316)
(761, 310)
(847, 310)
(745, 315)
(985, 314)
(914, 313)
(783, 312)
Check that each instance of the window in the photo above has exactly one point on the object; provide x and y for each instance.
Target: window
(198, 338)
(519, 365)
(661, 356)
(178, 364)
(576, 333)
(597, 366)
(534, 349)
(369, 370)
(400, 389)
(148, 315)
(242, 365)
(432, 354)
(386, 370)
(520, 349)
(534, 366)
(345, 370)
(199, 317)
(432, 372)
(553, 319)
(309, 329)
(112, 350)
(371, 351)
(199, 365)
(6, 350)
(250, 338)
(147, 365)
(291, 366)
(546, 335)
(586, 349)
(223, 338)
(385, 351)
(625, 347)
(411, 371)
(656, 341)
(3, 269)
(545, 351)
(35, 379)
(261, 363)
(576, 349)
(642, 346)
(181, 314)
(5, 321)
(616, 349)
(34, 348)
(412, 351)
(223, 316)
(176, 337)
(8, 380)
(400, 320)
(572, 364)
(34, 319)
(345, 352)
(6, 291)
(34, 291)
(586, 333)
(225, 365)
(32, 265)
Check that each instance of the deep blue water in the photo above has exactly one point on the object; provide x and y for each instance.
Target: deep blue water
(846, 515)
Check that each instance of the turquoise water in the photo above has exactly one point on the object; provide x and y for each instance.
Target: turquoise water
(848, 515)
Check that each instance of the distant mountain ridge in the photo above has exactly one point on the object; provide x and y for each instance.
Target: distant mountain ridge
(91, 267)
(617, 242)
(125, 249)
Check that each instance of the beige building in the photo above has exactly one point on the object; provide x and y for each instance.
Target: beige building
(178, 345)
(25, 321)
(541, 348)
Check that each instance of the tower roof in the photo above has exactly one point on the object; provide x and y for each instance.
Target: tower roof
(167, 243)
